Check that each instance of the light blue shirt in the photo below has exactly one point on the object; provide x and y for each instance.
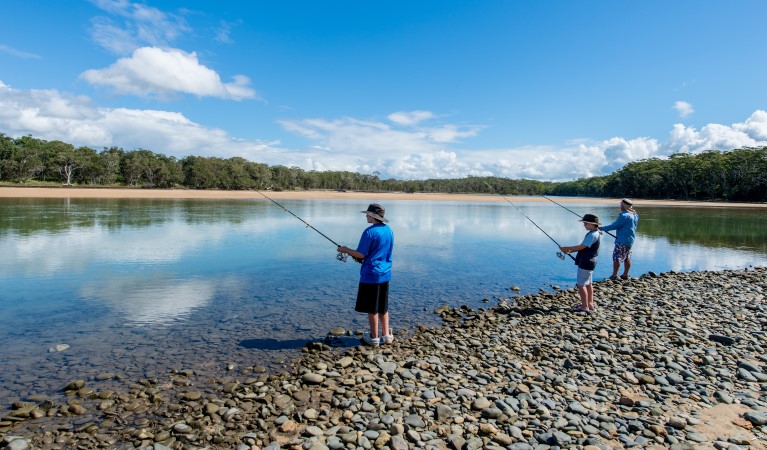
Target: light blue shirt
(625, 226)
(590, 238)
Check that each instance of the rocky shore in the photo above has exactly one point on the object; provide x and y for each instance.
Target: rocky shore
(673, 360)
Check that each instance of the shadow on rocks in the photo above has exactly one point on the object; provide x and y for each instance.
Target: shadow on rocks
(273, 344)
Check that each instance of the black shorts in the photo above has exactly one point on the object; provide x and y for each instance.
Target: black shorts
(373, 298)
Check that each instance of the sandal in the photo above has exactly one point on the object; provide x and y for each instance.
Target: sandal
(624, 277)
(580, 308)
(613, 277)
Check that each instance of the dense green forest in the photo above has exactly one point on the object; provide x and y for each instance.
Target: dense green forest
(737, 175)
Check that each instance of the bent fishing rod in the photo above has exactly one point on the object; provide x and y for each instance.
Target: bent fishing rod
(341, 257)
(560, 255)
(572, 212)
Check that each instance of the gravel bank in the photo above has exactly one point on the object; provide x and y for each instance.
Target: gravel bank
(671, 360)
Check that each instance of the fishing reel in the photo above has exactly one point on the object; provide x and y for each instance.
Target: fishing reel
(342, 257)
(561, 256)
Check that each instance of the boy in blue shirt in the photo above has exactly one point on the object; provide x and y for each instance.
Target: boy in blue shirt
(375, 253)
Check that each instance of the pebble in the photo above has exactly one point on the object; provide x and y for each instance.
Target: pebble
(525, 374)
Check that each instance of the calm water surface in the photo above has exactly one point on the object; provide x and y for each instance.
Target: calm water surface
(135, 287)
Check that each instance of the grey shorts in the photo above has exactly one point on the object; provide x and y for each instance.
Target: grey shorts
(584, 277)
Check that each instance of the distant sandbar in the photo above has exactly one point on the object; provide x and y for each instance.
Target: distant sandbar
(62, 192)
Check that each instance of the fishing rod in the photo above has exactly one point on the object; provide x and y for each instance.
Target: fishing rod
(572, 212)
(560, 255)
(341, 257)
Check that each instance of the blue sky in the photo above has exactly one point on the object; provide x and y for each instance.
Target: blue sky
(554, 90)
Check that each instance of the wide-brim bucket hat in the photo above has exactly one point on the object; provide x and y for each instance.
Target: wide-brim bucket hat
(376, 211)
(590, 218)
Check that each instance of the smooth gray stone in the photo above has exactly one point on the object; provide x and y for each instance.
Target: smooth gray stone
(756, 418)
(750, 367)
(746, 375)
(456, 442)
(415, 421)
(577, 407)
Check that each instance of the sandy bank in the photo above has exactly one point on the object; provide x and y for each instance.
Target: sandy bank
(41, 192)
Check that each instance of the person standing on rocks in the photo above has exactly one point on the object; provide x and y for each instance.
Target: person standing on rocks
(374, 251)
(586, 260)
(625, 227)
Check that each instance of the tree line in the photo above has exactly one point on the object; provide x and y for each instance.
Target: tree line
(737, 175)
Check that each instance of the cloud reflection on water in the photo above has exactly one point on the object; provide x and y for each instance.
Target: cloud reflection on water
(159, 299)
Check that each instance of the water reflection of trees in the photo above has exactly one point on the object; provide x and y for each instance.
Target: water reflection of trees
(710, 227)
(27, 216)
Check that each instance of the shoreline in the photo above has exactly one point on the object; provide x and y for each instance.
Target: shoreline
(139, 193)
(661, 363)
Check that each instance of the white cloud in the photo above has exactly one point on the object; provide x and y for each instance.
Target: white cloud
(140, 25)
(755, 126)
(223, 33)
(52, 115)
(411, 117)
(422, 152)
(751, 133)
(17, 53)
(619, 151)
(684, 108)
(364, 146)
(152, 71)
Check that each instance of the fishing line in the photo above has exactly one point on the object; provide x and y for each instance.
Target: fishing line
(560, 255)
(341, 257)
(572, 212)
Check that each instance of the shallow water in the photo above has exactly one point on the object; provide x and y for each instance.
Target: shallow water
(136, 287)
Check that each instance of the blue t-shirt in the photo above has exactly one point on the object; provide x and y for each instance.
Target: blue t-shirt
(625, 226)
(377, 244)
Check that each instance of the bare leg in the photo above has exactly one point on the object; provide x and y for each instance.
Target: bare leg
(385, 324)
(373, 319)
(582, 291)
(616, 266)
(626, 267)
(590, 296)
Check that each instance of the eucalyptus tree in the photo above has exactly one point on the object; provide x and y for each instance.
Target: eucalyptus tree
(164, 171)
(7, 151)
(680, 176)
(261, 175)
(745, 173)
(235, 173)
(134, 166)
(284, 177)
(66, 159)
(92, 169)
(198, 172)
(28, 161)
(110, 160)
